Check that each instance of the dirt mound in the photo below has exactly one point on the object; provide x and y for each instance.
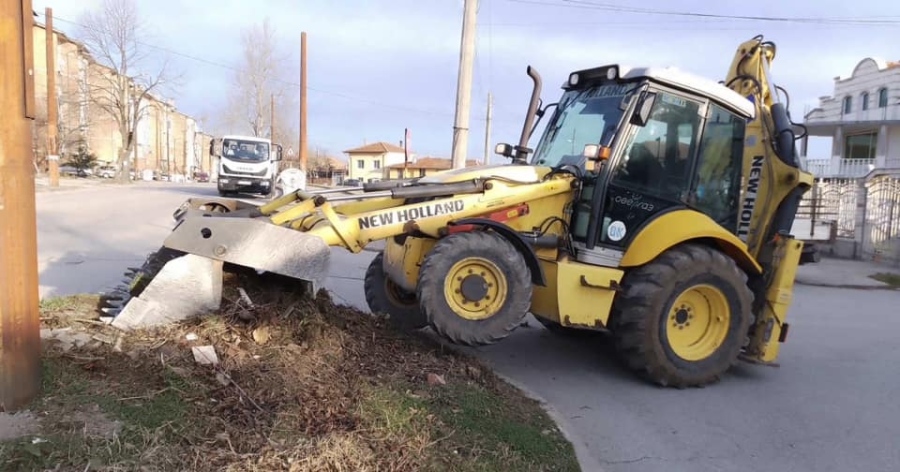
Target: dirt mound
(299, 384)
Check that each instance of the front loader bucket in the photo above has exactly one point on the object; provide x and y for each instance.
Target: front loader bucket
(184, 278)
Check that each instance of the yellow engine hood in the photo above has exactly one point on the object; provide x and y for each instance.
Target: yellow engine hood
(521, 173)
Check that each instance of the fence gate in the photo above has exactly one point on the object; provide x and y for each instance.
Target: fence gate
(881, 224)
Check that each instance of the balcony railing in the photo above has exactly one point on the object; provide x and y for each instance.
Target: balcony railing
(840, 168)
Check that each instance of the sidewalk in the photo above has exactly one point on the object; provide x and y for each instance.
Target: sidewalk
(845, 273)
(42, 184)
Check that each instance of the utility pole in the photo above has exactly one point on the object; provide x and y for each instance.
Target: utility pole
(303, 144)
(487, 130)
(20, 340)
(52, 107)
(464, 85)
(272, 119)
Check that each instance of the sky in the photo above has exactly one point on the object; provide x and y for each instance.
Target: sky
(376, 67)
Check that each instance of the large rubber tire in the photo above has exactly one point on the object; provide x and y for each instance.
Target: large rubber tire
(493, 268)
(645, 313)
(384, 296)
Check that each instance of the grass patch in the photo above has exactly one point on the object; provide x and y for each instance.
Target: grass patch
(303, 385)
(890, 278)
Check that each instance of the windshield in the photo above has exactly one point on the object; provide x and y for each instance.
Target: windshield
(583, 117)
(246, 151)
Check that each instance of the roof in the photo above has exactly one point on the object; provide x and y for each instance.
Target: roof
(678, 78)
(437, 163)
(695, 83)
(375, 148)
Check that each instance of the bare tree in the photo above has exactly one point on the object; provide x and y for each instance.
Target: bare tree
(121, 85)
(260, 75)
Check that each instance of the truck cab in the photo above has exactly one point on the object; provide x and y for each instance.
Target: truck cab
(246, 164)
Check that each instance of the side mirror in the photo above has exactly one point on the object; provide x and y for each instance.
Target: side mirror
(503, 149)
(596, 152)
(642, 112)
(279, 153)
(212, 147)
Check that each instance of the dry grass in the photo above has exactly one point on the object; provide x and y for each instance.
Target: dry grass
(890, 278)
(302, 385)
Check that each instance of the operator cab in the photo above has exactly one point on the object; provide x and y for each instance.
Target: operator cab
(647, 141)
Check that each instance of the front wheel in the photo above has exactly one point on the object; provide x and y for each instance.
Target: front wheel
(474, 288)
(682, 319)
(384, 296)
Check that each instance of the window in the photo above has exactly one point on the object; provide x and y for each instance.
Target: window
(848, 104)
(658, 160)
(865, 100)
(882, 98)
(376, 163)
(360, 164)
(715, 189)
(861, 146)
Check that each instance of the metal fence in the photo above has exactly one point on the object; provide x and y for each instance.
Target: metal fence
(881, 227)
(865, 210)
(835, 200)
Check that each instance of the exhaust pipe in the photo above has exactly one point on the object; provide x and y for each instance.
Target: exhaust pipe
(522, 150)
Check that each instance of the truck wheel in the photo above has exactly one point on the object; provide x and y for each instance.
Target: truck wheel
(682, 319)
(474, 288)
(384, 296)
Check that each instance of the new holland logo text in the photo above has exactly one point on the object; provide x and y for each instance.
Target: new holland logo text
(750, 197)
(407, 214)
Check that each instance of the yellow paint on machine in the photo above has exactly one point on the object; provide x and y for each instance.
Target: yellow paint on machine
(577, 295)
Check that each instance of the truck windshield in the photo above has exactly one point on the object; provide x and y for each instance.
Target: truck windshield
(246, 151)
(582, 117)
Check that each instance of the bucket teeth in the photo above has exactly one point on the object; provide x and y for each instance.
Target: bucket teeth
(111, 311)
(115, 303)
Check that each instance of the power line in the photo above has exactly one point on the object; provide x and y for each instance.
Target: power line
(591, 5)
(283, 81)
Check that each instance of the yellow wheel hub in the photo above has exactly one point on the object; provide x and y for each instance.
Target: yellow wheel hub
(698, 322)
(475, 288)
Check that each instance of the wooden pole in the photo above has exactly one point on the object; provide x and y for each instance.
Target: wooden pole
(487, 129)
(303, 103)
(52, 106)
(20, 340)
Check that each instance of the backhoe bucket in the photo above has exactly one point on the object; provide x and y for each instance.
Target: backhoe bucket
(184, 278)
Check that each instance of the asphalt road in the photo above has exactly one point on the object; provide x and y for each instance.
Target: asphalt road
(833, 405)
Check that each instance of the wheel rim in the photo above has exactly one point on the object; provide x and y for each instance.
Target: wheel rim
(475, 288)
(698, 322)
(398, 296)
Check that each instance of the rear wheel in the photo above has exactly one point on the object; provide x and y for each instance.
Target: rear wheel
(682, 319)
(384, 296)
(474, 288)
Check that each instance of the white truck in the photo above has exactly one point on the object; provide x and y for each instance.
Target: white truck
(246, 164)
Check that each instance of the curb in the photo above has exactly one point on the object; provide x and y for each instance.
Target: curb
(848, 286)
(585, 460)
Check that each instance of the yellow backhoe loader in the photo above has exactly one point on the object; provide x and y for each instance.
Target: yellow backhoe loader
(657, 207)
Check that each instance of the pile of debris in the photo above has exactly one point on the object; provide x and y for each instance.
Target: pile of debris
(275, 382)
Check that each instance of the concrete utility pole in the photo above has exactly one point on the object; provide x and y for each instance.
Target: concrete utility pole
(52, 106)
(303, 143)
(464, 85)
(487, 129)
(20, 339)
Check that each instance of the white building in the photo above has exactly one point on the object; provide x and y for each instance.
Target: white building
(863, 120)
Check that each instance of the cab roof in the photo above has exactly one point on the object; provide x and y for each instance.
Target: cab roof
(677, 78)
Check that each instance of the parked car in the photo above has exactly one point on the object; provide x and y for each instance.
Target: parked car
(352, 183)
(74, 171)
(106, 171)
(201, 176)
